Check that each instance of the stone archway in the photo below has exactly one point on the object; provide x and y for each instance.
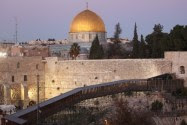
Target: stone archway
(15, 94)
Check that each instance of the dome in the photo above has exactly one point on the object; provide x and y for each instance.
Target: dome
(87, 21)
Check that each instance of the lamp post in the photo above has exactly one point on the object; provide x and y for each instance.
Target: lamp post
(38, 99)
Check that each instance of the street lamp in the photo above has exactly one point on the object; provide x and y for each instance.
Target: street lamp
(38, 78)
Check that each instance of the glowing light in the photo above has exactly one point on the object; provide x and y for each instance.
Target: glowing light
(3, 54)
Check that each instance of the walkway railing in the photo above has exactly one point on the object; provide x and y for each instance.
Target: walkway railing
(63, 101)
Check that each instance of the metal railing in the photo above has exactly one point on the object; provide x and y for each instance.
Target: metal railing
(61, 102)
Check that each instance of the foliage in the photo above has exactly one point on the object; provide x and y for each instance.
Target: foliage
(117, 32)
(96, 50)
(180, 92)
(154, 45)
(128, 93)
(135, 52)
(77, 116)
(183, 122)
(142, 48)
(156, 106)
(74, 50)
(124, 115)
(116, 51)
(158, 42)
(178, 38)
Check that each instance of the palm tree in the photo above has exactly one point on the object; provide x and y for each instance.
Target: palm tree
(74, 50)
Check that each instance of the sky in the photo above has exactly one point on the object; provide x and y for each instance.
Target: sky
(52, 18)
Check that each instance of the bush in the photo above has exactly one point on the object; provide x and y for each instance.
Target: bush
(156, 106)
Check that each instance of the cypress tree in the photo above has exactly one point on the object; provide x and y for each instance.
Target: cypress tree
(142, 48)
(117, 33)
(135, 52)
(96, 50)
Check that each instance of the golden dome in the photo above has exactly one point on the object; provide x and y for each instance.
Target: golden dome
(87, 21)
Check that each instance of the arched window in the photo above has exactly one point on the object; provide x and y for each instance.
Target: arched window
(182, 70)
(18, 65)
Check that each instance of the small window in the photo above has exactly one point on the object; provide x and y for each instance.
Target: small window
(71, 36)
(18, 65)
(76, 36)
(83, 36)
(25, 78)
(90, 36)
(12, 78)
(182, 70)
(37, 66)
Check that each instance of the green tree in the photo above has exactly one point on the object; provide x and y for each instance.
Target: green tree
(115, 50)
(96, 50)
(156, 106)
(117, 33)
(142, 48)
(158, 42)
(183, 122)
(178, 38)
(74, 50)
(135, 42)
(125, 115)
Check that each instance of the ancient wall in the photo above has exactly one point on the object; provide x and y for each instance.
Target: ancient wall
(62, 76)
(18, 77)
(58, 76)
(179, 64)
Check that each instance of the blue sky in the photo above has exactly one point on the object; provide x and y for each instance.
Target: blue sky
(52, 18)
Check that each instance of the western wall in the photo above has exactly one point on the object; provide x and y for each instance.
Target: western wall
(62, 76)
(18, 75)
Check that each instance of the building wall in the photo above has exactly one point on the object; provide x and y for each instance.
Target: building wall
(62, 76)
(17, 89)
(87, 37)
(178, 59)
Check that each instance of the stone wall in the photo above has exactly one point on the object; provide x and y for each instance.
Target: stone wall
(58, 76)
(18, 77)
(62, 76)
(179, 60)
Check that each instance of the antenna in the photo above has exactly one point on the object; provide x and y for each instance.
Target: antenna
(16, 30)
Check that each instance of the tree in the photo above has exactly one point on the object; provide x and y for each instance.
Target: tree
(115, 50)
(183, 122)
(117, 33)
(124, 115)
(135, 52)
(178, 38)
(96, 50)
(158, 42)
(142, 48)
(156, 106)
(74, 50)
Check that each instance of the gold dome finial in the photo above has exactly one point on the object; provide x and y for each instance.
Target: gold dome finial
(87, 5)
